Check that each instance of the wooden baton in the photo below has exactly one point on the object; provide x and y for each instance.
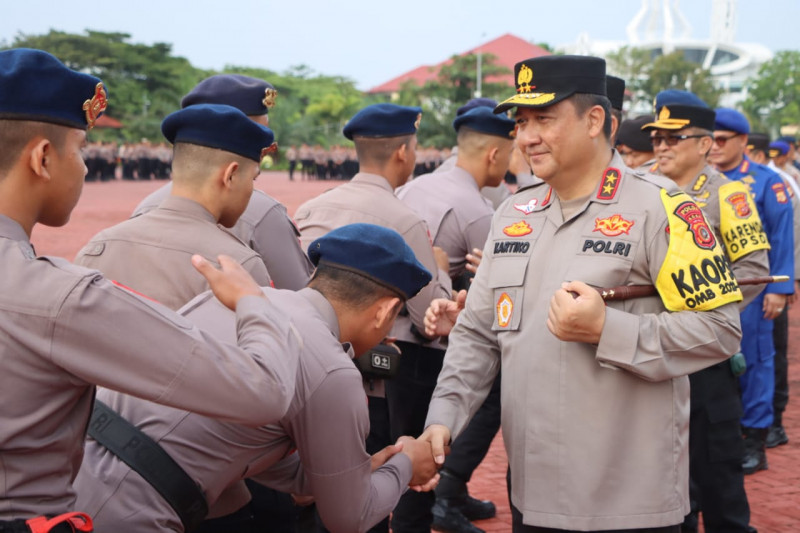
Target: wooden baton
(627, 292)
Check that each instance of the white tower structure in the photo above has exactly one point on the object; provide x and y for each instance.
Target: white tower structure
(723, 21)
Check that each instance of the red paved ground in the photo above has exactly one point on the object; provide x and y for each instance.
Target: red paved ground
(774, 494)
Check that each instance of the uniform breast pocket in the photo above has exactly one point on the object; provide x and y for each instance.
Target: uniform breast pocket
(506, 281)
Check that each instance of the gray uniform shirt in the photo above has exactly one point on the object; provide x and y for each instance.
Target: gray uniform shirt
(597, 436)
(66, 328)
(457, 215)
(265, 227)
(496, 195)
(327, 422)
(152, 254)
(370, 199)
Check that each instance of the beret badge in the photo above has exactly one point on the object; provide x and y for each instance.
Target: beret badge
(417, 122)
(96, 105)
(269, 97)
(271, 149)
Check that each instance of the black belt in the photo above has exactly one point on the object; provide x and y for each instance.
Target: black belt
(147, 458)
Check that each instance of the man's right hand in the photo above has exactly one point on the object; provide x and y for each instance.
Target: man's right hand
(441, 315)
(230, 283)
(439, 438)
(423, 466)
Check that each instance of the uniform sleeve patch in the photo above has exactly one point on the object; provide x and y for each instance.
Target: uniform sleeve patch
(518, 229)
(695, 274)
(780, 193)
(740, 224)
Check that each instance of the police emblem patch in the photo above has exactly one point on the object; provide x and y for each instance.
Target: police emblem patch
(505, 308)
(518, 229)
(693, 216)
(613, 226)
(780, 193)
(96, 105)
(609, 185)
(740, 205)
(527, 208)
(524, 79)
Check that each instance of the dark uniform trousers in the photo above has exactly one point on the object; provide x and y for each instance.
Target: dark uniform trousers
(715, 453)
(780, 336)
(408, 395)
(472, 445)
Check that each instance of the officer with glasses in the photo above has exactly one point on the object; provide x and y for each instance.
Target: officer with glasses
(772, 200)
(681, 138)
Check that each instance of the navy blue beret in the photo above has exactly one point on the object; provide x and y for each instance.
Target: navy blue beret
(777, 148)
(34, 85)
(615, 89)
(219, 126)
(731, 120)
(383, 120)
(676, 110)
(375, 252)
(476, 102)
(483, 120)
(249, 95)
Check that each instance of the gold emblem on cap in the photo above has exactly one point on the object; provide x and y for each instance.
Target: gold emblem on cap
(524, 79)
(416, 122)
(271, 149)
(96, 105)
(664, 115)
(269, 97)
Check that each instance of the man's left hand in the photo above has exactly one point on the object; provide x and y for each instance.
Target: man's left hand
(773, 305)
(577, 313)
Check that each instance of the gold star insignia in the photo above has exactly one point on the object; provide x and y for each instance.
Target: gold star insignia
(611, 178)
(608, 188)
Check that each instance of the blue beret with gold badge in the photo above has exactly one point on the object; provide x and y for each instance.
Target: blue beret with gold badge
(36, 86)
(383, 120)
(778, 148)
(375, 252)
(483, 120)
(219, 126)
(249, 95)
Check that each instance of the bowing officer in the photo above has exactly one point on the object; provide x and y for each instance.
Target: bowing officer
(364, 275)
(66, 328)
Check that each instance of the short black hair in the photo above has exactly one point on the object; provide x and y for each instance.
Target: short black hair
(585, 101)
(378, 150)
(15, 134)
(348, 287)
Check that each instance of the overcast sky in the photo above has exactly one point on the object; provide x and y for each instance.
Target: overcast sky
(370, 41)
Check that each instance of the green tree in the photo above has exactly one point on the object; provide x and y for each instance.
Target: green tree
(774, 93)
(646, 74)
(145, 82)
(455, 84)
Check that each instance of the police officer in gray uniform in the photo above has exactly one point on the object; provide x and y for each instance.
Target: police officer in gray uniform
(265, 225)
(364, 275)
(66, 328)
(217, 155)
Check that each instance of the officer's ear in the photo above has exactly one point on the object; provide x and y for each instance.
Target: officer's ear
(40, 157)
(387, 309)
(228, 173)
(596, 117)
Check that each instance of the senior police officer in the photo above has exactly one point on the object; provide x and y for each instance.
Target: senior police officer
(459, 218)
(66, 328)
(364, 275)
(265, 225)
(682, 137)
(217, 154)
(385, 140)
(758, 383)
(595, 397)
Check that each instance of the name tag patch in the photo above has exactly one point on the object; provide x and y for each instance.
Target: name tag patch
(607, 247)
(511, 247)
